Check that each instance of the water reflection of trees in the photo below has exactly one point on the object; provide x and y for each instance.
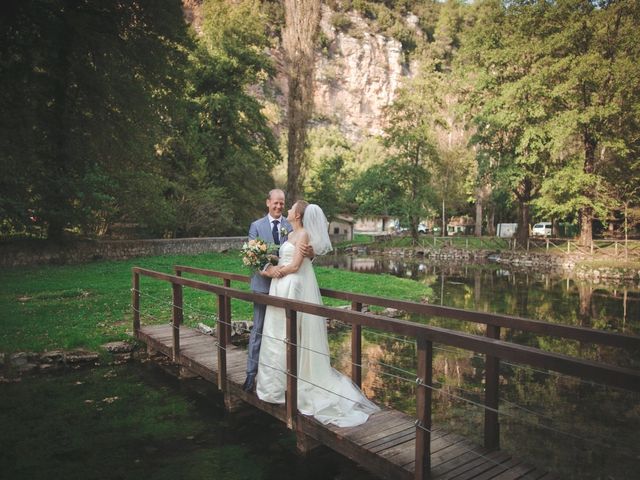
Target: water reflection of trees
(544, 417)
(521, 292)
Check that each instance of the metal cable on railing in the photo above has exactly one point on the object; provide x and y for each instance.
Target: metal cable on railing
(441, 390)
(502, 362)
(418, 382)
(173, 305)
(208, 315)
(308, 381)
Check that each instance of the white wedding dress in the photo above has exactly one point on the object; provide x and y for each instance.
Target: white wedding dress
(323, 392)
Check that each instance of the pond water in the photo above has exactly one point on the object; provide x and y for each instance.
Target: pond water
(580, 430)
(492, 287)
(135, 421)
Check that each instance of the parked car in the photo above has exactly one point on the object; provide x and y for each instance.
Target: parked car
(422, 228)
(542, 229)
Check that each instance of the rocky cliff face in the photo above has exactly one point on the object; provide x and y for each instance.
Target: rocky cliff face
(356, 76)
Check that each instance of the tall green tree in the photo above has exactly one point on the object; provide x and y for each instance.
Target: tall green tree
(302, 21)
(510, 106)
(83, 89)
(331, 170)
(591, 67)
(413, 118)
(221, 162)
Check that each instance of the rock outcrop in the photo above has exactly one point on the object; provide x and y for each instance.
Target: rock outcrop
(357, 73)
(356, 77)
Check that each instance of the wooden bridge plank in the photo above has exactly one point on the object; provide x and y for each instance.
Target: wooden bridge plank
(515, 473)
(549, 476)
(376, 427)
(450, 452)
(388, 425)
(390, 437)
(461, 463)
(355, 452)
(394, 441)
(536, 475)
(495, 470)
(406, 456)
(487, 462)
(459, 454)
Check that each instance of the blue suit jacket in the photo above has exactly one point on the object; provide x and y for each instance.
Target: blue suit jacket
(262, 228)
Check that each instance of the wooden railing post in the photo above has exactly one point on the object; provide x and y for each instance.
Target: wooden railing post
(222, 342)
(227, 311)
(176, 318)
(423, 408)
(491, 395)
(356, 348)
(135, 302)
(292, 368)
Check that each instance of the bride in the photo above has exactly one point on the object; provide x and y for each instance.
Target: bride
(323, 392)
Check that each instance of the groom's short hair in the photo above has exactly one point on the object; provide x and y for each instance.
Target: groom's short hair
(274, 190)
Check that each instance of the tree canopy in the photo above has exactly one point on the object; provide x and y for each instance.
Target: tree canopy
(119, 114)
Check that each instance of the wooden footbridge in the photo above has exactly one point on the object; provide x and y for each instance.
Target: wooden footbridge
(391, 444)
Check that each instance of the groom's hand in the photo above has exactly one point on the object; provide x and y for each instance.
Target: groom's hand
(307, 251)
(268, 271)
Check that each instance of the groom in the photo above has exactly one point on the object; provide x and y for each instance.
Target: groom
(272, 227)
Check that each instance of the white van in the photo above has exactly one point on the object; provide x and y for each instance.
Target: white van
(542, 229)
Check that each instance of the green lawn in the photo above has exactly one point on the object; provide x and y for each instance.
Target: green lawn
(84, 306)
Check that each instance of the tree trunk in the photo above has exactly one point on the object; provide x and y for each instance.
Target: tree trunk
(483, 193)
(586, 226)
(478, 226)
(302, 18)
(626, 233)
(523, 194)
(296, 139)
(444, 230)
(491, 221)
(413, 225)
(586, 212)
(523, 223)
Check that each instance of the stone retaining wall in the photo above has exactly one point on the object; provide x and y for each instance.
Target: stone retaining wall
(43, 253)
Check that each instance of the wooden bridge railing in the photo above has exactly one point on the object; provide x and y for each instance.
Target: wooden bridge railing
(491, 346)
(494, 322)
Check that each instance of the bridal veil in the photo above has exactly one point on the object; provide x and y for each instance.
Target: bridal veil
(316, 224)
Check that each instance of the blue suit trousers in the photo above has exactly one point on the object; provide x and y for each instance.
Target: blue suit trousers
(255, 339)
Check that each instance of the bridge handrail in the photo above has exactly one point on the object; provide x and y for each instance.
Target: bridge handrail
(607, 374)
(582, 334)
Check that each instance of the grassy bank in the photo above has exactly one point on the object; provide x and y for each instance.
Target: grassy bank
(84, 306)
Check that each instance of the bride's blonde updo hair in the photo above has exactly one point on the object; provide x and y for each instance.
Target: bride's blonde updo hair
(301, 206)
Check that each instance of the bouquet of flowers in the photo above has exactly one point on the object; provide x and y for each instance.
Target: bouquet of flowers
(256, 254)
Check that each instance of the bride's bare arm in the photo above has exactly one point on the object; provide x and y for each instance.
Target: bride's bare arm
(301, 239)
